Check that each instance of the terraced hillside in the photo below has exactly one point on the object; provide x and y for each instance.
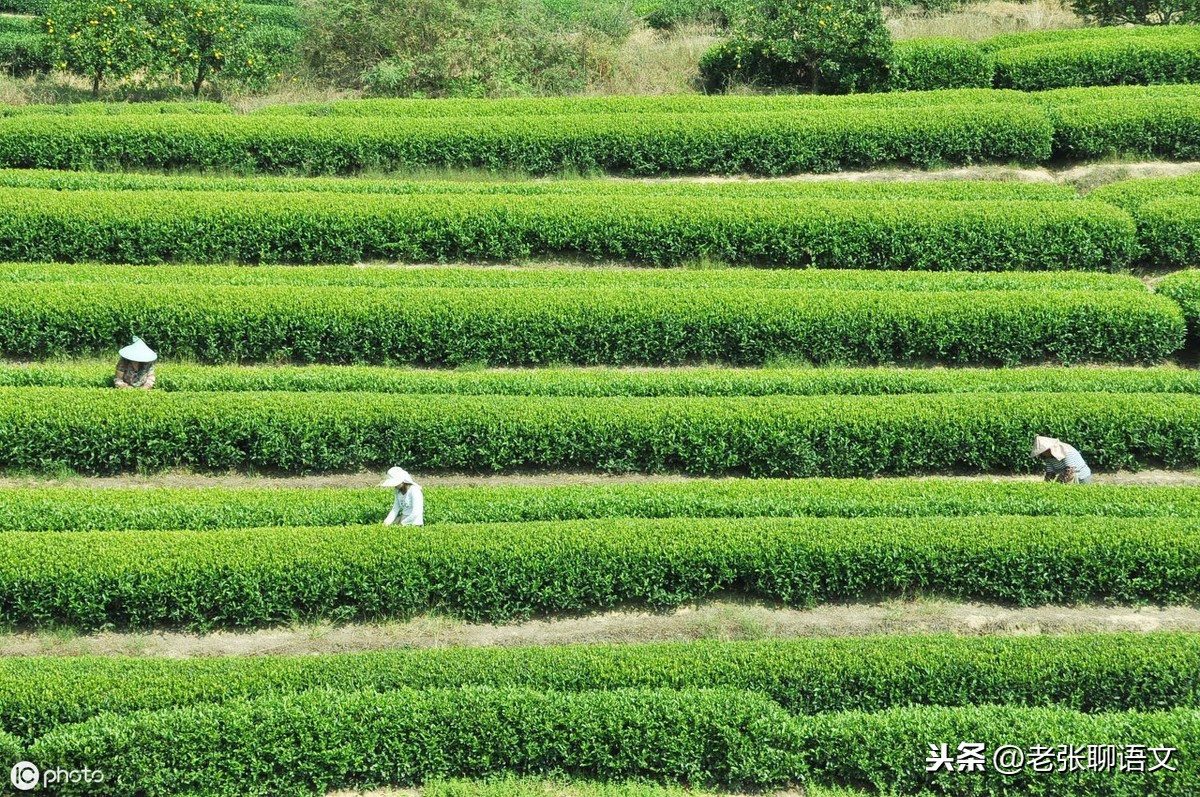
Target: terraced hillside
(788, 395)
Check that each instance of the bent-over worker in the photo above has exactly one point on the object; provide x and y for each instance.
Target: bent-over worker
(135, 368)
(1063, 463)
(409, 505)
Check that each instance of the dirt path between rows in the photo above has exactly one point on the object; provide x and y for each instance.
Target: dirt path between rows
(186, 479)
(723, 620)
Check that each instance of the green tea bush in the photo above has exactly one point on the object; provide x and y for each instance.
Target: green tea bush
(528, 326)
(887, 750)
(114, 109)
(197, 226)
(1149, 126)
(96, 432)
(552, 277)
(321, 741)
(515, 571)
(597, 382)
(644, 144)
(24, 53)
(943, 190)
(1168, 233)
(1132, 194)
(1104, 62)
(1184, 288)
(939, 63)
(11, 748)
(1088, 672)
(668, 104)
(86, 509)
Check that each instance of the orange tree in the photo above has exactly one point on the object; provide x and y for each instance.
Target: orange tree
(196, 39)
(97, 39)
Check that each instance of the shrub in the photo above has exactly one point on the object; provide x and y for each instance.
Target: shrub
(927, 64)
(1183, 286)
(552, 277)
(515, 571)
(322, 741)
(1149, 126)
(10, 748)
(766, 143)
(886, 750)
(825, 46)
(1087, 672)
(197, 226)
(86, 509)
(670, 14)
(528, 326)
(945, 190)
(105, 432)
(1099, 63)
(443, 48)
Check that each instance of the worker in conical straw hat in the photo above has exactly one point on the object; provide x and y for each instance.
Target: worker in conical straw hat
(409, 505)
(135, 366)
(1063, 463)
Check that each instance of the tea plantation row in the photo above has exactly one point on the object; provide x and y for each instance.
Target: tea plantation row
(1081, 124)
(344, 227)
(319, 741)
(514, 571)
(110, 508)
(107, 432)
(617, 382)
(956, 226)
(1090, 672)
(616, 326)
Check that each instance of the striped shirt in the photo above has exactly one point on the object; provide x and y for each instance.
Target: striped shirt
(1058, 467)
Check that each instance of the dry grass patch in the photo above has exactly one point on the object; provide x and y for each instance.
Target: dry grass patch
(984, 20)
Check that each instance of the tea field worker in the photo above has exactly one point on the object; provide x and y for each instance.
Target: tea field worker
(409, 505)
(135, 368)
(1063, 463)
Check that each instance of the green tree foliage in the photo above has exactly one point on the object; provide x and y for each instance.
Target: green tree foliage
(196, 38)
(825, 46)
(1136, 12)
(98, 39)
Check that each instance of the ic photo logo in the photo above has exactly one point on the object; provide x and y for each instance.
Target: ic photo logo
(26, 776)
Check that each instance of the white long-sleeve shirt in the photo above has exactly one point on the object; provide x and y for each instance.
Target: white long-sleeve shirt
(409, 506)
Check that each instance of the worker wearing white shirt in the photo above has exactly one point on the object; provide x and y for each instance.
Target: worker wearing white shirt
(409, 505)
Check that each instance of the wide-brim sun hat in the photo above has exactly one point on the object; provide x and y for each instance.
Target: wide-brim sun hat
(1043, 444)
(138, 352)
(396, 477)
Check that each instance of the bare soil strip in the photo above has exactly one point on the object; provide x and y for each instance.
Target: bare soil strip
(722, 620)
(187, 479)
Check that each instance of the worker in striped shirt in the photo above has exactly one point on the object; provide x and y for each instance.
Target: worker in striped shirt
(1063, 463)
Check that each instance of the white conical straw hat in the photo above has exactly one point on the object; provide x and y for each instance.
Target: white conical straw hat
(138, 352)
(396, 477)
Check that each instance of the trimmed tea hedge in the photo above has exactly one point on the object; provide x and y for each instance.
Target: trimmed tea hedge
(597, 382)
(1150, 126)
(887, 750)
(1111, 672)
(1133, 194)
(1105, 62)
(1184, 288)
(514, 571)
(939, 63)
(946, 190)
(86, 509)
(666, 104)
(1168, 232)
(110, 431)
(644, 143)
(552, 277)
(154, 226)
(526, 326)
(137, 109)
(322, 741)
